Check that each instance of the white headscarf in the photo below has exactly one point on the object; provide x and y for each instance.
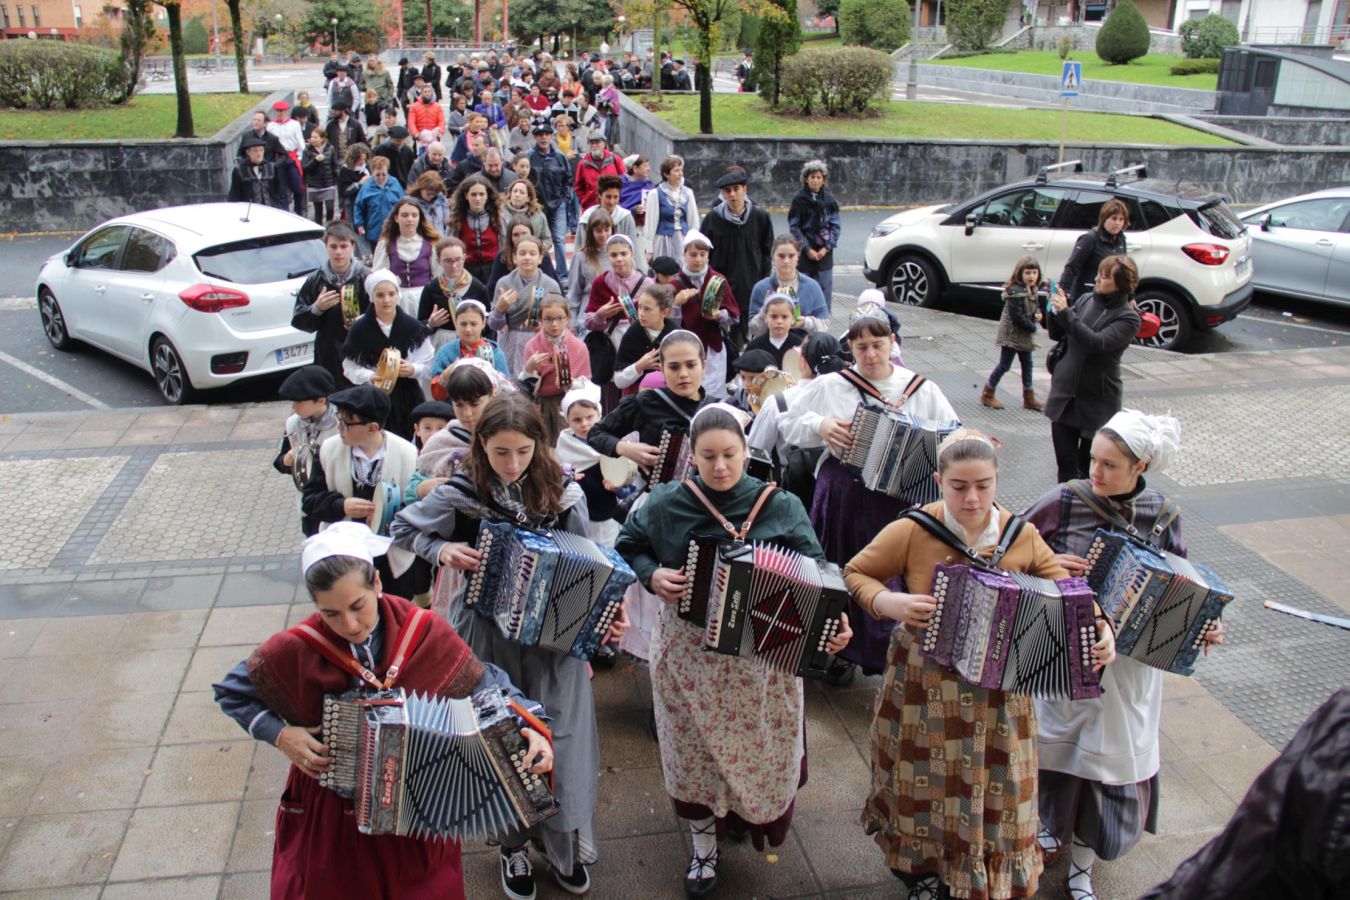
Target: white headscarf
(582, 389)
(353, 539)
(378, 277)
(1153, 439)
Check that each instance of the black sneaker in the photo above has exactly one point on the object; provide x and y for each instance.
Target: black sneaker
(579, 882)
(605, 657)
(517, 874)
(701, 877)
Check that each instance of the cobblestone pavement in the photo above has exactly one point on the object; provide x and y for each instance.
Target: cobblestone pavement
(149, 551)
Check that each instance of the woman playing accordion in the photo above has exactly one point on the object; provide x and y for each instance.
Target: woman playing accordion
(1099, 758)
(319, 851)
(964, 821)
(731, 731)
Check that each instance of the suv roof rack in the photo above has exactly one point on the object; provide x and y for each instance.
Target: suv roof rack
(1139, 169)
(1043, 175)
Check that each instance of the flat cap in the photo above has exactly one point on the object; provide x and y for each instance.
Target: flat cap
(754, 361)
(398, 131)
(665, 265)
(432, 409)
(307, 383)
(365, 400)
(735, 176)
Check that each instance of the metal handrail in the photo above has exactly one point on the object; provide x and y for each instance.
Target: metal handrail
(1296, 34)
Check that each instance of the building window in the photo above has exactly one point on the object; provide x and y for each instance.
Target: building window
(37, 20)
(79, 16)
(22, 23)
(4, 14)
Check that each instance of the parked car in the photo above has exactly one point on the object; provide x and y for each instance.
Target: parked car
(1193, 252)
(1301, 246)
(199, 296)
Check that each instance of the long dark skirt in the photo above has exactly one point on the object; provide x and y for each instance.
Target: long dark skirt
(846, 517)
(1109, 818)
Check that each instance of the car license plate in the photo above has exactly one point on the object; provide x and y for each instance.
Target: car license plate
(297, 351)
(1244, 265)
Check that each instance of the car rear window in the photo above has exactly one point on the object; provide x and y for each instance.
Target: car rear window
(1217, 219)
(265, 259)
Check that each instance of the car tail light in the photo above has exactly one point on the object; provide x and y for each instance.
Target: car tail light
(1207, 254)
(1211, 321)
(228, 363)
(211, 298)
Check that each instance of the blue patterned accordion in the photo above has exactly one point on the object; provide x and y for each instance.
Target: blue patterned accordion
(1163, 604)
(1007, 631)
(432, 768)
(895, 453)
(551, 589)
(764, 603)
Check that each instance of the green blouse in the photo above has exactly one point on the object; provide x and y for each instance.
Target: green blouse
(657, 534)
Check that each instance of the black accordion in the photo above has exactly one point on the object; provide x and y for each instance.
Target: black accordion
(432, 768)
(675, 459)
(554, 590)
(1163, 604)
(895, 453)
(764, 603)
(1008, 631)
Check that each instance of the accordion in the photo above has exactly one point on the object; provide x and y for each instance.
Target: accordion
(554, 590)
(675, 459)
(764, 603)
(1163, 604)
(432, 767)
(1007, 631)
(895, 453)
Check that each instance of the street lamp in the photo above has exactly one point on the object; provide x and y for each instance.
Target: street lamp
(281, 43)
(621, 20)
(333, 21)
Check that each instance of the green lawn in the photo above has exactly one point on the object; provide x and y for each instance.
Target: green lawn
(747, 114)
(144, 116)
(1151, 69)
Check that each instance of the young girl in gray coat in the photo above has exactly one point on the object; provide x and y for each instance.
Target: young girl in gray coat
(1022, 299)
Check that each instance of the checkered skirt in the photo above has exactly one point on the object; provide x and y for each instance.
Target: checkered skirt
(953, 779)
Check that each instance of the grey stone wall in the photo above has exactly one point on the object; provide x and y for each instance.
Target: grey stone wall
(73, 185)
(1289, 130)
(900, 172)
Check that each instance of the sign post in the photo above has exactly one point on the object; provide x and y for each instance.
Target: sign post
(1070, 80)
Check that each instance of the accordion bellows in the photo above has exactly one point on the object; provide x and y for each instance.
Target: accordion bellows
(1163, 604)
(895, 453)
(675, 460)
(555, 590)
(432, 768)
(1013, 632)
(764, 603)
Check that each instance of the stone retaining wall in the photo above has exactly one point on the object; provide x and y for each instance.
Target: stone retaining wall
(73, 185)
(900, 172)
(1289, 130)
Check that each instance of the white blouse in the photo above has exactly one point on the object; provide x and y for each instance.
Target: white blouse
(832, 397)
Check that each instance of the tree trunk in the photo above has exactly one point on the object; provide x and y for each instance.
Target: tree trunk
(429, 41)
(703, 74)
(180, 75)
(240, 51)
(657, 16)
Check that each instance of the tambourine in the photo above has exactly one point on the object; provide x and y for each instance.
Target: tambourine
(302, 464)
(792, 363)
(764, 385)
(388, 501)
(351, 307)
(618, 471)
(386, 372)
(712, 295)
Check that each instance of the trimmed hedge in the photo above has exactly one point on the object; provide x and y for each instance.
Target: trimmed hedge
(1196, 67)
(883, 24)
(56, 75)
(1124, 35)
(842, 80)
(1206, 38)
(973, 24)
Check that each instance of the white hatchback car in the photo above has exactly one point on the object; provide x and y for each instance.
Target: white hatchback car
(1302, 246)
(1194, 256)
(199, 296)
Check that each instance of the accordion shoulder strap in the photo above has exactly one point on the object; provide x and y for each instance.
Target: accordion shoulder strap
(660, 392)
(330, 651)
(763, 498)
(869, 390)
(1167, 514)
(940, 531)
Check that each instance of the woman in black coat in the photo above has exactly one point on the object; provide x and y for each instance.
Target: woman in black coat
(1085, 387)
(1107, 239)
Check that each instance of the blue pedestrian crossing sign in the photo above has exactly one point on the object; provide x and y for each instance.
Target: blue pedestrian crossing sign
(1071, 79)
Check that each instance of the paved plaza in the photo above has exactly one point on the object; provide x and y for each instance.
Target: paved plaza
(147, 552)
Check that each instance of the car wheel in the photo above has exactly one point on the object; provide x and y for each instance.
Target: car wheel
(53, 322)
(1174, 329)
(171, 376)
(912, 281)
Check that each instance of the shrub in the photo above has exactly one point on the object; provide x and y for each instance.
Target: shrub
(883, 24)
(55, 75)
(195, 38)
(780, 36)
(1124, 36)
(972, 24)
(1206, 38)
(844, 80)
(1065, 47)
(1196, 67)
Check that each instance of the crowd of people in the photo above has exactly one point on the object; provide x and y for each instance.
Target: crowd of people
(517, 369)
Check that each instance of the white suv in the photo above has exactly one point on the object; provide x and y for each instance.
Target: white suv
(1194, 255)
